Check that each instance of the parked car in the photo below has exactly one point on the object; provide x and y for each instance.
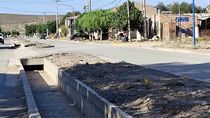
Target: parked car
(43, 36)
(79, 35)
(1, 38)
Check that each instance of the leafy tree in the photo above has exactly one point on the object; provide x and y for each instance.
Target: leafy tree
(8, 33)
(185, 8)
(174, 7)
(15, 33)
(161, 6)
(41, 28)
(95, 20)
(30, 30)
(51, 25)
(0, 29)
(64, 30)
(120, 19)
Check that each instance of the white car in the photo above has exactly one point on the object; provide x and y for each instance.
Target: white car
(1, 38)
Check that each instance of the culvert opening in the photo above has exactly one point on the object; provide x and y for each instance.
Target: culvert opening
(33, 67)
(33, 64)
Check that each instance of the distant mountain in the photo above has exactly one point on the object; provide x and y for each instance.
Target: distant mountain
(10, 22)
(23, 19)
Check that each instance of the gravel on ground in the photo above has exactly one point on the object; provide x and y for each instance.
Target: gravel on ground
(137, 90)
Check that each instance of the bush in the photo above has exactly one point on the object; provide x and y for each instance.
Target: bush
(64, 30)
(15, 33)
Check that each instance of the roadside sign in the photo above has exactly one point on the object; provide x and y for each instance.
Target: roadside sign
(182, 19)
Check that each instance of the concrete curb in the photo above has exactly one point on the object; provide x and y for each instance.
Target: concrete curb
(174, 50)
(33, 111)
(86, 99)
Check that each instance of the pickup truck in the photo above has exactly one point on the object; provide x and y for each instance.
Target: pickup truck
(1, 38)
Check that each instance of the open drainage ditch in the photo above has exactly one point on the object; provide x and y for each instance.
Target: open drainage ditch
(57, 94)
(50, 99)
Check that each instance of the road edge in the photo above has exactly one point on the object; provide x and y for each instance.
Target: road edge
(33, 111)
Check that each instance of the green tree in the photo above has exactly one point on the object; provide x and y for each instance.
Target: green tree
(185, 8)
(8, 33)
(161, 6)
(15, 33)
(0, 29)
(30, 30)
(120, 19)
(51, 26)
(174, 7)
(94, 21)
(64, 30)
(41, 28)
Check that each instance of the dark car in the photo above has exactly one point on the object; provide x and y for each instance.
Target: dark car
(79, 35)
(1, 38)
(43, 36)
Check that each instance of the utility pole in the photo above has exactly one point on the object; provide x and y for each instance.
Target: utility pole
(180, 31)
(129, 24)
(145, 19)
(89, 5)
(44, 21)
(44, 17)
(193, 9)
(4, 23)
(57, 32)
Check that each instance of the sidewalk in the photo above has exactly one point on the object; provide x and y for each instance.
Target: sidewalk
(12, 100)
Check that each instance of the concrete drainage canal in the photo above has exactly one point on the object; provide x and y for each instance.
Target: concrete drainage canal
(49, 98)
(59, 95)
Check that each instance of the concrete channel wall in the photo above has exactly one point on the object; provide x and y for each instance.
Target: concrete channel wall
(86, 99)
(33, 111)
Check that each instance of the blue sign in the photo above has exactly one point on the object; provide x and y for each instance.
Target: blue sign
(182, 19)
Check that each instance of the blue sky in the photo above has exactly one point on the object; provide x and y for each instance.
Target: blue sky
(38, 6)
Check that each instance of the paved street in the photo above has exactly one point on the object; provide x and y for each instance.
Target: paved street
(12, 100)
(191, 65)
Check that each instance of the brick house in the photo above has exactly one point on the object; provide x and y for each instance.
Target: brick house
(208, 9)
(168, 27)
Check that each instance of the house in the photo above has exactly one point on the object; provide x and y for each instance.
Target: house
(169, 26)
(208, 9)
(151, 13)
(204, 24)
(70, 23)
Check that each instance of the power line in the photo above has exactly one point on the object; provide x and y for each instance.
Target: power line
(31, 11)
(106, 4)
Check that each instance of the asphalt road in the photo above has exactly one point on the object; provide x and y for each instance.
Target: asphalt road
(190, 65)
(12, 100)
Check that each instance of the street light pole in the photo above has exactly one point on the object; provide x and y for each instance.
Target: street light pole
(129, 24)
(145, 19)
(57, 32)
(193, 9)
(44, 17)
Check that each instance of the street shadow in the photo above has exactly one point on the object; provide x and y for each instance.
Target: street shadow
(12, 98)
(145, 92)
